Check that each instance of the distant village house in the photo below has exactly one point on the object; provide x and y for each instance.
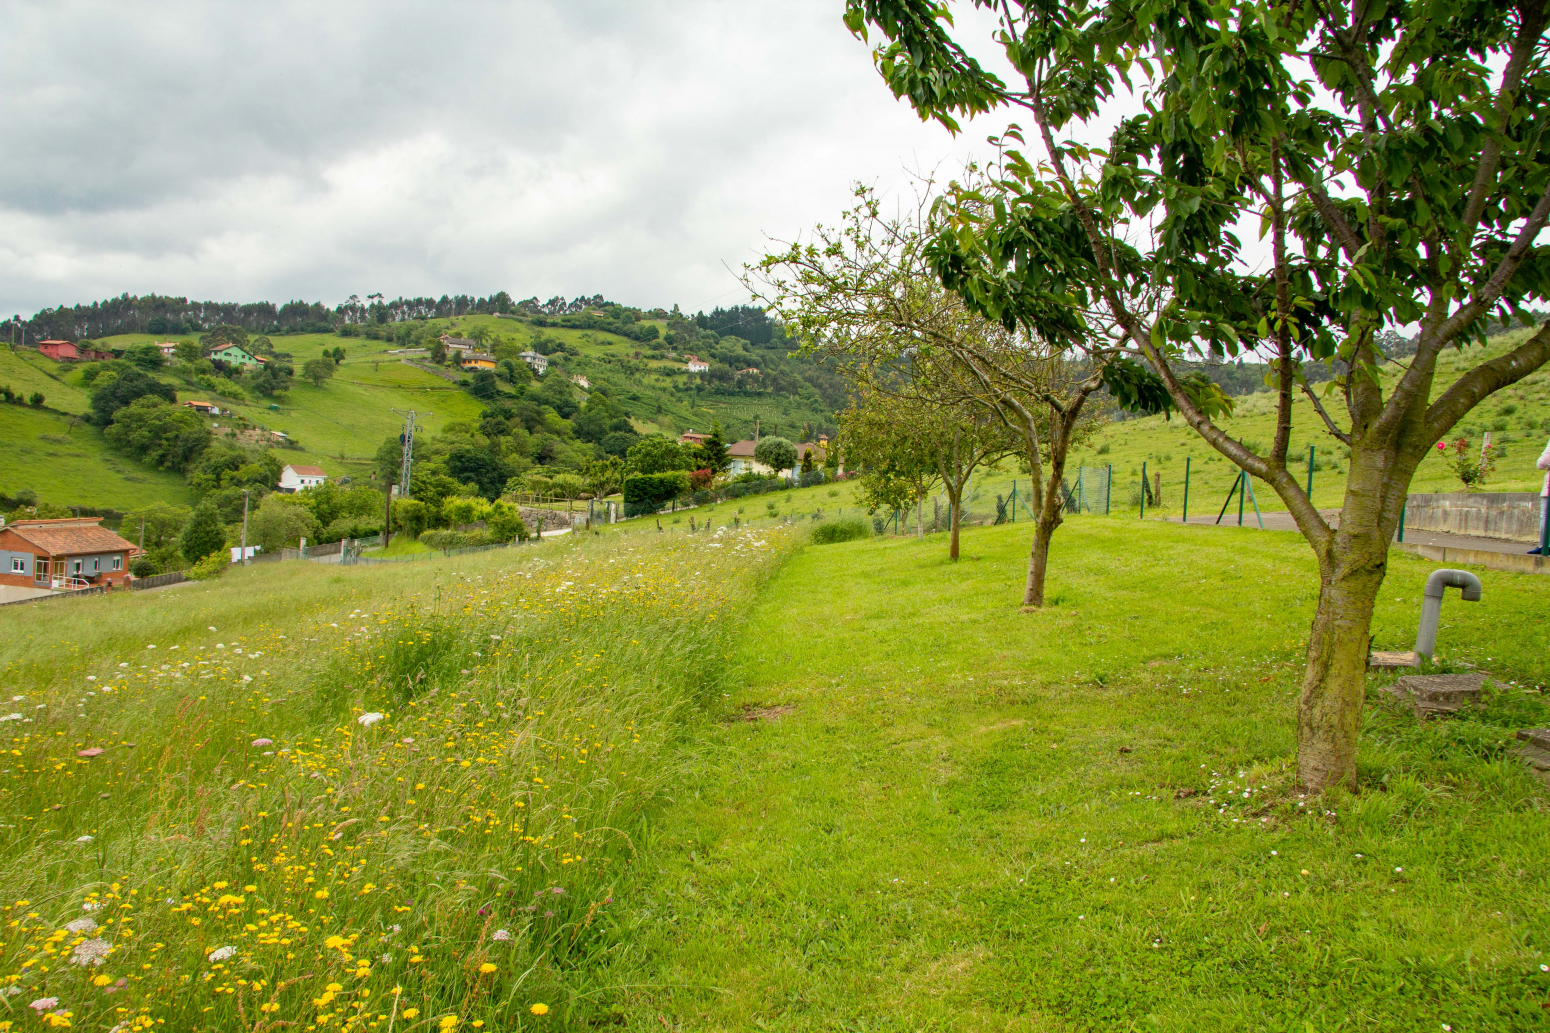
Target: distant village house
(692, 364)
(582, 382)
(71, 553)
(477, 360)
(234, 355)
(69, 351)
(300, 478)
(540, 363)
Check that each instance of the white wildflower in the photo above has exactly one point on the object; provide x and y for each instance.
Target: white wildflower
(83, 839)
(222, 953)
(501, 935)
(92, 952)
(44, 1003)
(368, 719)
(263, 742)
(82, 925)
(11, 717)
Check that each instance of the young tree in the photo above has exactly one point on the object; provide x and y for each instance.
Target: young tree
(1390, 153)
(203, 534)
(865, 296)
(711, 454)
(776, 453)
(318, 370)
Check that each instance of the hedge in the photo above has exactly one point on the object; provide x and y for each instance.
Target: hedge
(655, 487)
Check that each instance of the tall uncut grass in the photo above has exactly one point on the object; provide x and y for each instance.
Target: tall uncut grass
(310, 798)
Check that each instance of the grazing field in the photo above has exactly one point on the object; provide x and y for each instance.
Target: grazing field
(66, 460)
(926, 810)
(304, 796)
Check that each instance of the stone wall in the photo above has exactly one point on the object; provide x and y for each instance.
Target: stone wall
(1510, 515)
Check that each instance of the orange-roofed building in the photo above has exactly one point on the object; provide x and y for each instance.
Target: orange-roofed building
(72, 553)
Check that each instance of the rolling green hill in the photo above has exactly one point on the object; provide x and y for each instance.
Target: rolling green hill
(340, 425)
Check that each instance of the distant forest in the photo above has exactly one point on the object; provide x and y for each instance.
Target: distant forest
(165, 314)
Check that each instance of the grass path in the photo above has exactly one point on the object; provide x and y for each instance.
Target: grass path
(926, 810)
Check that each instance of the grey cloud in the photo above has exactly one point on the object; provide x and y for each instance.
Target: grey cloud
(315, 150)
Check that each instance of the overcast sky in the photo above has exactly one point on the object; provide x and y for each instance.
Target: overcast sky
(642, 150)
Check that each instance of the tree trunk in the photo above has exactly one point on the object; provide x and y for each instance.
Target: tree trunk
(1334, 683)
(1038, 563)
(954, 510)
(1351, 571)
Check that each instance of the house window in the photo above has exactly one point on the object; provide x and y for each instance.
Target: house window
(118, 562)
(96, 565)
(77, 569)
(18, 565)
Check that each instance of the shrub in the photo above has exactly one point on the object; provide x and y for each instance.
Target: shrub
(211, 567)
(656, 487)
(144, 566)
(847, 530)
(35, 399)
(454, 539)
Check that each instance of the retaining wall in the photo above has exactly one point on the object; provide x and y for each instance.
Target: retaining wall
(1510, 515)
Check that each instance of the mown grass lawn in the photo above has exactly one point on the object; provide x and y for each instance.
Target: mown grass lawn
(925, 809)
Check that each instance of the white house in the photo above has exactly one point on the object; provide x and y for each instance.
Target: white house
(692, 364)
(300, 478)
(167, 349)
(537, 361)
(458, 344)
(582, 382)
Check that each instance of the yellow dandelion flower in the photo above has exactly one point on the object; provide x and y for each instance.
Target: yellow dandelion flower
(321, 894)
(410, 1013)
(487, 968)
(448, 1022)
(103, 980)
(539, 1009)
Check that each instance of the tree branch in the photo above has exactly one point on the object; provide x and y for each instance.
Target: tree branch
(1486, 378)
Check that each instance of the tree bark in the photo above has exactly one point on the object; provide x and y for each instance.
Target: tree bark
(1334, 682)
(953, 512)
(1352, 566)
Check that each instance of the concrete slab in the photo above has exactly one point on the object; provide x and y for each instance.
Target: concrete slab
(1431, 695)
(18, 594)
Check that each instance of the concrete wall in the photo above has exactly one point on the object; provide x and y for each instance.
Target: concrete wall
(1510, 515)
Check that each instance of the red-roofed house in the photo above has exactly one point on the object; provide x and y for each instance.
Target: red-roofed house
(300, 478)
(694, 364)
(71, 553)
(69, 351)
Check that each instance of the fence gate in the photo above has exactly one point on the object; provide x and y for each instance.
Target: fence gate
(1091, 492)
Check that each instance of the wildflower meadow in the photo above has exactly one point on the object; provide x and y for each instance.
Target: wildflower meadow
(390, 797)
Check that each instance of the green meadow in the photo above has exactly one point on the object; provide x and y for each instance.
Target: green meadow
(735, 780)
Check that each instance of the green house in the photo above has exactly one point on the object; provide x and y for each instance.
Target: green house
(234, 355)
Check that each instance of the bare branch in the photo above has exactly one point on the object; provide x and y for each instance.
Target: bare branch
(1318, 407)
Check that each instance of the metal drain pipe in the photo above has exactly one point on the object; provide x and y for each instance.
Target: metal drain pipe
(1431, 605)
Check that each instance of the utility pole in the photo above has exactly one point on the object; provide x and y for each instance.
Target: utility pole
(245, 527)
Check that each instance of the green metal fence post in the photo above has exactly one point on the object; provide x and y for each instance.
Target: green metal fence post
(1402, 506)
(1254, 501)
(1143, 489)
(1014, 502)
(1311, 451)
(1242, 474)
(1185, 518)
(1108, 490)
